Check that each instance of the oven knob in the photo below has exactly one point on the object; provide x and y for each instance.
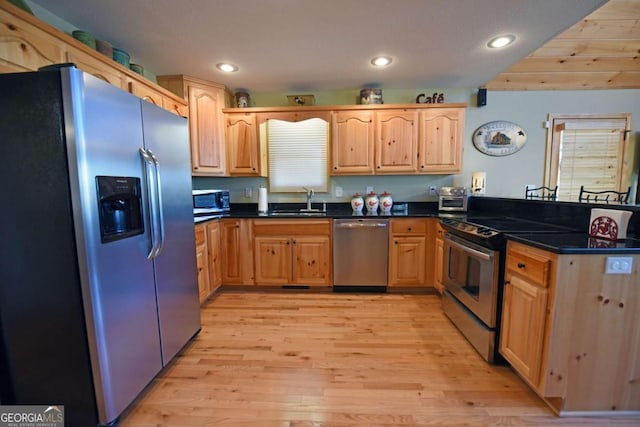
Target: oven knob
(484, 231)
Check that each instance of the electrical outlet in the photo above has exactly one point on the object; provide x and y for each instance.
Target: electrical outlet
(433, 191)
(248, 192)
(619, 265)
(369, 190)
(338, 191)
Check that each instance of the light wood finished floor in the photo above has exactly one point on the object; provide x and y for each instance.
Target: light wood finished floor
(322, 359)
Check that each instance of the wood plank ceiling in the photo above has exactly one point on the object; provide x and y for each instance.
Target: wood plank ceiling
(600, 52)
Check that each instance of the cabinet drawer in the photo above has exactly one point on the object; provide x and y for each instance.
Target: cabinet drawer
(408, 226)
(528, 264)
(200, 236)
(298, 227)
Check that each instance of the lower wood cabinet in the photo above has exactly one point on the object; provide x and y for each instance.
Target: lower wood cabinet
(237, 252)
(214, 252)
(408, 252)
(296, 252)
(570, 330)
(202, 263)
(524, 316)
(438, 256)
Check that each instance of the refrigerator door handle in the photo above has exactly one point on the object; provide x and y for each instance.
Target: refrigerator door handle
(160, 229)
(149, 168)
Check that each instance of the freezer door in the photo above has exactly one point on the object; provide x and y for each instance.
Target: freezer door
(166, 138)
(104, 131)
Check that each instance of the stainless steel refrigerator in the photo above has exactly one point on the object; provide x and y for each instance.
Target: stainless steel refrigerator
(98, 281)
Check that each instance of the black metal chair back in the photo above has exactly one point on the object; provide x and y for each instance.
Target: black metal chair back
(609, 196)
(542, 193)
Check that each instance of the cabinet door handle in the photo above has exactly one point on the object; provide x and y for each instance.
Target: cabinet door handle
(507, 282)
(521, 265)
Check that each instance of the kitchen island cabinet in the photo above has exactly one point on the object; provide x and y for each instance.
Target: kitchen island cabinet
(571, 330)
(292, 252)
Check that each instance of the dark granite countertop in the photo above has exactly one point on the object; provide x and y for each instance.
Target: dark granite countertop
(334, 211)
(572, 215)
(576, 243)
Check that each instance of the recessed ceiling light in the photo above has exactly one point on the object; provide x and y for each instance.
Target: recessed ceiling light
(226, 67)
(381, 61)
(501, 41)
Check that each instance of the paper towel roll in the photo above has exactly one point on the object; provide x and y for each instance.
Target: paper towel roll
(263, 202)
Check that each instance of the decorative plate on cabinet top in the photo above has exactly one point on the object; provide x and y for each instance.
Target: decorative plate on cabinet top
(499, 138)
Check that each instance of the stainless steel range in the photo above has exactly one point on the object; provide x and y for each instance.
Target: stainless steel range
(473, 270)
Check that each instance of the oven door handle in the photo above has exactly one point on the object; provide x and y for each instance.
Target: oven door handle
(474, 252)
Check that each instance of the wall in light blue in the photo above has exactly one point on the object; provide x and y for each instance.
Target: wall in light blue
(506, 176)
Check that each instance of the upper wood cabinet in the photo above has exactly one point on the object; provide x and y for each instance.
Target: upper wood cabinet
(27, 43)
(396, 141)
(352, 144)
(156, 98)
(206, 121)
(401, 139)
(23, 46)
(441, 142)
(294, 114)
(97, 68)
(246, 151)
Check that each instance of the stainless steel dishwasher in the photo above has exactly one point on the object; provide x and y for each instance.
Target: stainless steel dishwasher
(360, 254)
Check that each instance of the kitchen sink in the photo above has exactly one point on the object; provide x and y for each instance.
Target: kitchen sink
(294, 213)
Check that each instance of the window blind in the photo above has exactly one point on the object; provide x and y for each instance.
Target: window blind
(591, 157)
(297, 155)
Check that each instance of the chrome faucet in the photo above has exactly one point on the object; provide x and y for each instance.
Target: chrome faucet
(309, 195)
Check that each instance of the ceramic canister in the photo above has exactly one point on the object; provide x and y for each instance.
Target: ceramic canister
(372, 202)
(386, 202)
(357, 203)
(242, 99)
(371, 96)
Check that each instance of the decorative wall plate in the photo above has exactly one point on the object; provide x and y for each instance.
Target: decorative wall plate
(499, 138)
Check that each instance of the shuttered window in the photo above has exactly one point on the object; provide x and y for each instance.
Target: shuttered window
(298, 155)
(587, 152)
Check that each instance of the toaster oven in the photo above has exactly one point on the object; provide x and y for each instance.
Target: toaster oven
(453, 199)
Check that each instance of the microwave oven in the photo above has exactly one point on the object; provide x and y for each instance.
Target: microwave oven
(453, 199)
(207, 202)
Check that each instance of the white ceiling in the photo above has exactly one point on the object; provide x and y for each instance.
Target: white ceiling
(321, 45)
